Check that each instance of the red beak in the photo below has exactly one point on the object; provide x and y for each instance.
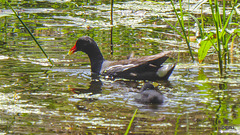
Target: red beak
(72, 50)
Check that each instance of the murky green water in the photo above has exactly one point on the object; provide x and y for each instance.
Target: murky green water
(38, 99)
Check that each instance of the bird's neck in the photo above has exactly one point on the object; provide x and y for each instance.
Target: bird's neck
(96, 59)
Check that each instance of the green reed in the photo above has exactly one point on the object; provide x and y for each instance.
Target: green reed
(181, 22)
(29, 32)
(219, 39)
(112, 1)
(130, 123)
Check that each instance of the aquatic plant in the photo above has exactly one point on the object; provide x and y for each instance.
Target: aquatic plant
(130, 123)
(112, 1)
(181, 22)
(219, 39)
(25, 26)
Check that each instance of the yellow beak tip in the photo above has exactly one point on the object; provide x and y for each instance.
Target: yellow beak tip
(69, 53)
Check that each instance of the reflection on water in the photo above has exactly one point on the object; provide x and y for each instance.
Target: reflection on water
(94, 88)
(37, 99)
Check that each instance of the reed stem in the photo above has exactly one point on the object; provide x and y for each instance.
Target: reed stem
(130, 123)
(216, 19)
(112, 1)
(183, 30)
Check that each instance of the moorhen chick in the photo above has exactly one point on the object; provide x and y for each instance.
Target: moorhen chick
(144, 68)
(148, 95)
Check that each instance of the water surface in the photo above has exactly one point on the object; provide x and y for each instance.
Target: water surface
(36, 98)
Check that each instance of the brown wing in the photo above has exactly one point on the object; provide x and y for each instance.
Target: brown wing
(133, 66)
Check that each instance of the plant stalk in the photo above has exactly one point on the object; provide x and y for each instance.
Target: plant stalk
(112, 1)
(130, 123)
(216, 22)
(183, 30)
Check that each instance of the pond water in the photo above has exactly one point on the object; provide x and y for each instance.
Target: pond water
(36, 98)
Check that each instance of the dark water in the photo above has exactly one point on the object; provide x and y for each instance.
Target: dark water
(36, 98)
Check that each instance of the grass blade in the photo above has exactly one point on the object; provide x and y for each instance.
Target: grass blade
(198, 23)
(217, 23)
(29, 32)
(183, 30)
(173, 27)
(130, 123)
(112, 2)
(197, 5)
(229, 17)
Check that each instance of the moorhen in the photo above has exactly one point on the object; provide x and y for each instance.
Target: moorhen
(144, 68)
(148, 95)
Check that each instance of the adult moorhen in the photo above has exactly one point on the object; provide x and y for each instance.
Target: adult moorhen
(144, 68)
(148, 95)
